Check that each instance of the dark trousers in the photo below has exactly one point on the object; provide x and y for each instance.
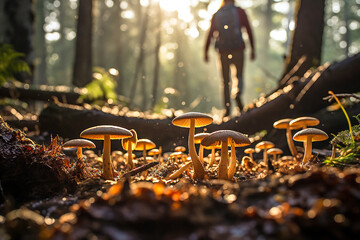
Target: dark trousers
(236, 58)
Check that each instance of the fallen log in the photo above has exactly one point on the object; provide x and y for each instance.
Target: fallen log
(301, 97)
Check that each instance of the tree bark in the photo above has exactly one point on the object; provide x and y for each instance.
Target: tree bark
(307, 37)
(82, 74)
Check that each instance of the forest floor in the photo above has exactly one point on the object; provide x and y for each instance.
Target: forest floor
(45, 194)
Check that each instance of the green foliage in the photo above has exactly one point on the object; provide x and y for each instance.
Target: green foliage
(11, 63)
(101, 89)
(349, 149)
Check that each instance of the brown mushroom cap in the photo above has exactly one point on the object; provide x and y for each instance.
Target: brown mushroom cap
(201, 119)
(74, 143)
(144, 143)
(249, 150)
(216, 137)
(180, 149)
(131, 140)
(283, 123)
(199, 137)
(175, 154)
(314, 133)
(275, 151)
(265, 145)
(98, 132)
(302, 122)
(153, 152)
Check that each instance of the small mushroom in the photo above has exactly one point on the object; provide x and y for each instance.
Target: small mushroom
(226, 137)
(153, 152)
(212, 148)
(79, 144)
(275, 152)
(265, 145)
(250, 151)
(180, 149)
(308, 136)
(144, 145)
(192, 120)
(285, 124)
(106, 133)
(129, 145)
(197, 139)
(176, 156)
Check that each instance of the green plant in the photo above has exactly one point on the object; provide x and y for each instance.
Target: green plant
(11, 62)
(101, 88)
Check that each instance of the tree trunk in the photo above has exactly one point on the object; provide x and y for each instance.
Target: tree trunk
(289, 102)
(82, 74)
(307, 37)
(119, 46)
(157, 59)
(141, 57)
(100, 35)
(40, 76)
(18, 31)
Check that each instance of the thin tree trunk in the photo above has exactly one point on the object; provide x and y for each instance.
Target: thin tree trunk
(157, 59)
(62, 41)
(82, 74)
(40, 76)
(143, 87)
(100, 34)
(119, 62)
(140, 60)
(307, 37)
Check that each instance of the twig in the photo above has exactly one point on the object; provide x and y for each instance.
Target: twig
(140, 169)
(343, 95)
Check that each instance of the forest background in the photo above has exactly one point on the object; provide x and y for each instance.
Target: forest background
(153, 49)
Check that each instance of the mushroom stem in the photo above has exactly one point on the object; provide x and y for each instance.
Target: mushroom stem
(212, 160)
(144, 154)
(265, 157)
(333, 151)
(199, 171)
(130, 158)
(308, 149)
(291, 142)
(223, 165)
(107, 167)
(251, 156)
(79, 153)
(232, 166)
(201, 153)
(180, 171)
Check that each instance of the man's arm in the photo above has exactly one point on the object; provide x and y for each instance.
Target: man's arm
(245, 23)
(208, 40)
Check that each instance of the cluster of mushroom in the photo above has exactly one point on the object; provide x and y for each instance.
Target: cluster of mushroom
(223, 138)
(306, 135)
(108, 133)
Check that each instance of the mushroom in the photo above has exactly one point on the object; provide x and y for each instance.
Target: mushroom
(79, 144)
(275, 152)
(264, 145)
(192, 120)
(197, 139)
(153, 152)
(175, 155)
(250, 151)
(308, 136)
(143, 145)
(180, 149)
(285, 124)
(303, 122)
(212, 148)
(129, 145)
(183, 168)
(106, 133)
(226, 137)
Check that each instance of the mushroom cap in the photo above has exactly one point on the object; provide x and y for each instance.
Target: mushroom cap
(216, 137)
(126, 155)
(98, 132)
(131, 140)
(153, 152)
(265, 145)
(283, 123)
(201, 119)
(304, 121)
(83, 143)
(176, 154)
(147, 143)
(199, 137)
(275, 151)
(314, 133)
(249, 150)
(180, 149)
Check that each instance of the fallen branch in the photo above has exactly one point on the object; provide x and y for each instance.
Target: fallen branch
(140, 169)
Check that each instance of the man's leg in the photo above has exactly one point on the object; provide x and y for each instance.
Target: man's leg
(225, 69)
(239, 64)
